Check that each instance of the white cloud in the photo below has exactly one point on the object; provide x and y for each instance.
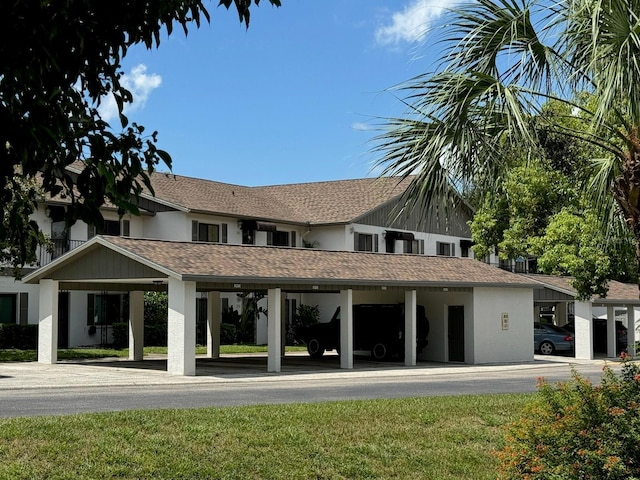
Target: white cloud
(412, 23)
(139, 83)
(361, 126)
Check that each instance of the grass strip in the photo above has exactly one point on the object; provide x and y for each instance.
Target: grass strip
(12, 355)
(417, 438)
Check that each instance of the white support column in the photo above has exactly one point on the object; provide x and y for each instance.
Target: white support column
(346, 328)
(48, 322)
(274, 336)
(136, 325)
(181, 331)
(631, 330)
(583, 334)
(611, 333)
(214, 318)
(410, 332)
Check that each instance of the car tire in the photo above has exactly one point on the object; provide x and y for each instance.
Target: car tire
(379, 351)
(315, 348)
(547, 348)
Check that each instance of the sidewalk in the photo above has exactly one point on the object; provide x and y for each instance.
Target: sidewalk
(236, 368)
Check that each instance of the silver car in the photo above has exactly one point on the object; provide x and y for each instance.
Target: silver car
(548, 339)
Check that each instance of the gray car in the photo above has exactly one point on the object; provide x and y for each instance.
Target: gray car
(548, 339)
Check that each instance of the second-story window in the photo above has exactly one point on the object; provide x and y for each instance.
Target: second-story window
(445, 249)
(208, 232)
(413, 246)
(281, 239)
(365, 242)
(114, 228)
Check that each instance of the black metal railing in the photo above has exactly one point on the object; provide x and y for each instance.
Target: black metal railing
(56, 248)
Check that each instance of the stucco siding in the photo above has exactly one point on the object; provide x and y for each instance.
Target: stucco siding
(491, 342)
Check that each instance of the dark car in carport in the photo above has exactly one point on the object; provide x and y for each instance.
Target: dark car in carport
(377, 328)
(549, 339)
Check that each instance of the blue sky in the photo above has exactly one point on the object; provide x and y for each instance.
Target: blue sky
(292, 99)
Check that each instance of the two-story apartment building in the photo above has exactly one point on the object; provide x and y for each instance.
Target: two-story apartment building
(362, 215)
(346, 215)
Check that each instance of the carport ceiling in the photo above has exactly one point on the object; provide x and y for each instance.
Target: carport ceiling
(125, 263)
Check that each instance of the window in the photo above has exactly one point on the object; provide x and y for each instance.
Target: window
(445, 249)
(465, 245)
(249, 227)
(114, 228)
(365, 242)
(208, 232)
(413, 246)
(281, 239)
(107, 308)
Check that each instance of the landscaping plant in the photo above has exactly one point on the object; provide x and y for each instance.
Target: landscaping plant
(577, 430)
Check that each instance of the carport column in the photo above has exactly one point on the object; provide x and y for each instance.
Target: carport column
(136, 325)
(213, 324)
(346, 328)
(181, 330)
(48, 322)
(583, 335)
(410, 332)
(611, 333)
(631, 330)
(274, 321)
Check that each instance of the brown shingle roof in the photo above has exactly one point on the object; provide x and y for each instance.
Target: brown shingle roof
(317, 203)
(200, 260)
(618, 291)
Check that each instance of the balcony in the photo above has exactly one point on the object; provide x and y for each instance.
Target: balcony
(57, 248)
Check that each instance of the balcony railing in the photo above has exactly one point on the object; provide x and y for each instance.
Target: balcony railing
(57, 247)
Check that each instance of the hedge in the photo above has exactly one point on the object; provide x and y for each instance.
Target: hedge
(22, 337)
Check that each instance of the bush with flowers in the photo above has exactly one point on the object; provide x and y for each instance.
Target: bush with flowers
(577, 430)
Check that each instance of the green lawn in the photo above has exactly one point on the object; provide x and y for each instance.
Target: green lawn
(10, 355)
(424, 438)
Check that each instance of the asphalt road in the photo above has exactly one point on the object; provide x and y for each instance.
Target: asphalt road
(287, 389)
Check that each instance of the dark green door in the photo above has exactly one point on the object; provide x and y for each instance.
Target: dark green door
(456, 333)
(8, 308)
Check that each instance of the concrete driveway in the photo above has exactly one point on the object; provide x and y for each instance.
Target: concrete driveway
(229, 368)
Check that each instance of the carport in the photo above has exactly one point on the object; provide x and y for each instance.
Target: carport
(499, 312)
(558, 291)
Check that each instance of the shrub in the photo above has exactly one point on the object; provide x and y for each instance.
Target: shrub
(228, 334)
(156, 307)
(155, 335)
(304, 316)
(120, 334)
(21, 337)
(575, 430)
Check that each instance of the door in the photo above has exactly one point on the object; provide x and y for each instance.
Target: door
(456, 333)
(63, 320)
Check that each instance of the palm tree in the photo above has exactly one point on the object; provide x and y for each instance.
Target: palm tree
(503, 60)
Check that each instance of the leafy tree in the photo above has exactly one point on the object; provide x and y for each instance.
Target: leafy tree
(57, 61)
(503, 61)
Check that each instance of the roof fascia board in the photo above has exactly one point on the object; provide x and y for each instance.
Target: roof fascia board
(346, 282)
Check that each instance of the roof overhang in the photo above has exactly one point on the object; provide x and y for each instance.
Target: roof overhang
(118, 263)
